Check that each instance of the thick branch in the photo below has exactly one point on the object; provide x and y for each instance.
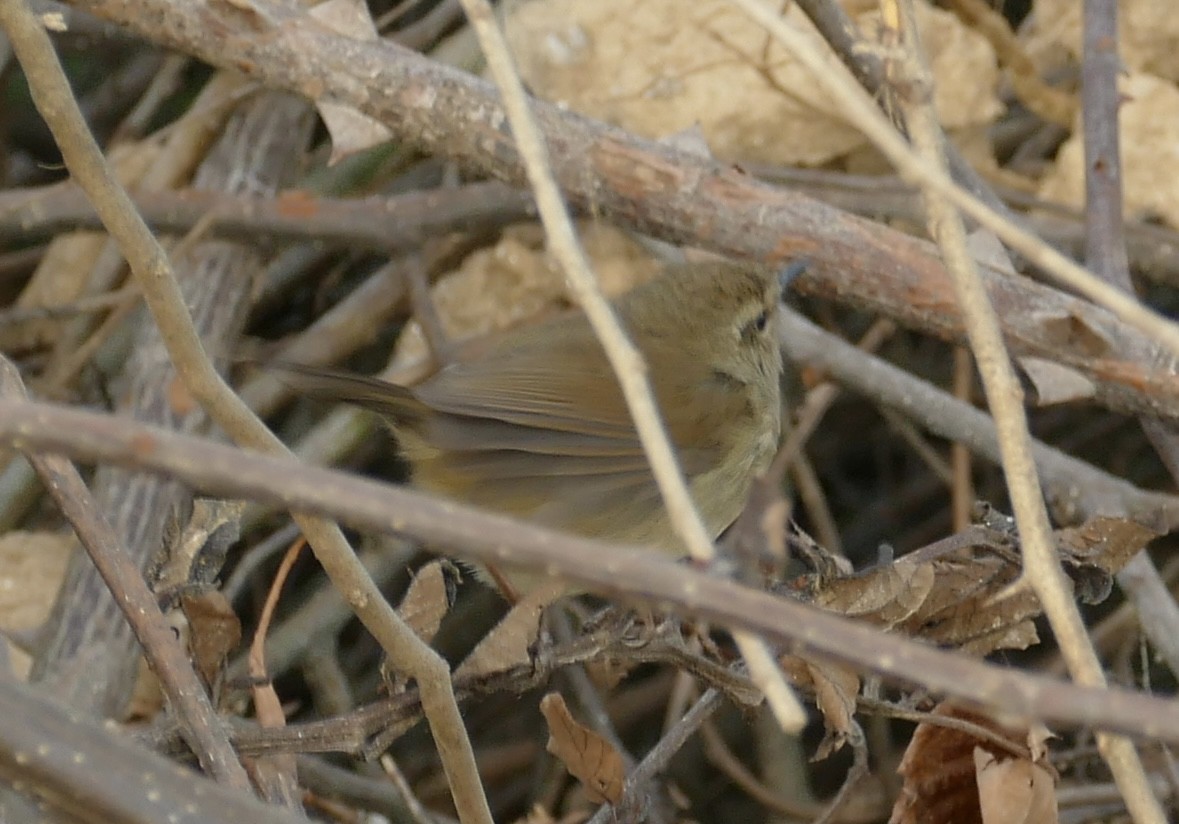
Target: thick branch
(675, 195)
(604, 568)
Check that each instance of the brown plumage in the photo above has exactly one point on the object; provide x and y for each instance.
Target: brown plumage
(537, 425)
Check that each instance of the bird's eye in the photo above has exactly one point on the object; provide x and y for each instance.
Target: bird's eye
(759, 323)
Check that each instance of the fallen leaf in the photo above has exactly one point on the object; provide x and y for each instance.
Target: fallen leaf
(351, 130)
(1014, 790)
(214, 631)
(428, 599)
(1054, 382)
(1104, 542)
(836, 689)
(587, 756)
(941, 769)
(510, 642)
(885, 595)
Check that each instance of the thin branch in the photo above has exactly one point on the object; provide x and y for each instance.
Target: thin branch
(199, 721)
(149, 263)
(1042, 567)
(1106, 255)
(378, 224)
(624, 358)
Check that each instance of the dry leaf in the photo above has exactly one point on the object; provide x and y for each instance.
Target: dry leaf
(214, 631)
(510, 641)
(961, 596)
(885, 594)
(588, 757)
(1106, 543)
(836, 689)
(1014, 790)
(428, 599)
(32, 565)
(962, 611)
(351, 130)
(1095, 551)
(941, 779)
(1054, 382)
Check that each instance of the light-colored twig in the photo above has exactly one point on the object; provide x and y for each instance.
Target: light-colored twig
(149, 263)
(1106, 255)
(625, 359)
(1042, 567)
(860, 110)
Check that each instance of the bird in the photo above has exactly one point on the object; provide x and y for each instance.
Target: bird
(536, 425)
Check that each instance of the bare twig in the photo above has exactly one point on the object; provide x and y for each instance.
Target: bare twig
(202, 728)
(625, 359)
(53, 98)
(1105, 253)
(383, 224)
(1042, 567)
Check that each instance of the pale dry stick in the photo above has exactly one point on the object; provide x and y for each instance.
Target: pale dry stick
(275, 774)
(814, 501)
(1106, 253)
(962, 485)
(149, 263)
(626, 361)
(861, 111)
(1042, 567)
